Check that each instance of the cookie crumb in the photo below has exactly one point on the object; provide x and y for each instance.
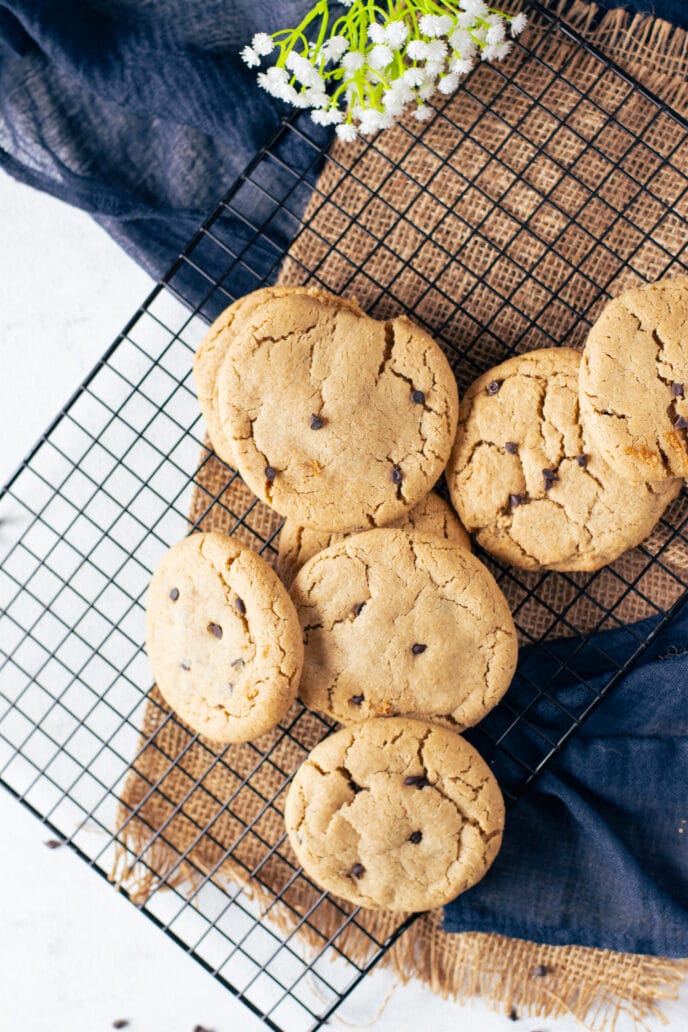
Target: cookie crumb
(53, 843)
(121, 1023)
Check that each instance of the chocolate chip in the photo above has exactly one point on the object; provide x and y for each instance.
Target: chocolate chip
(270, 473)
(174, 594)
(515, 500)
(511, 447)
(120, 1023)
(397, 475)
(681, 423)
(539, 971)
(582, 460)
(419, 780)
(185, 664)
(239, 603)
(550, 476)
(357, 699)
(493, 386)
(513, 1014)
(215, 629)
(201, 1028)
(677, 389)
(415, 837)
(316, 422)
(229, 687)
(418, 397)
(54, 843)
(418, 648)
(357, 871)
(238, 663)
(358, 608)
(354, 787)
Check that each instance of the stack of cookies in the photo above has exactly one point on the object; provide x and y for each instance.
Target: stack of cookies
(383, 620)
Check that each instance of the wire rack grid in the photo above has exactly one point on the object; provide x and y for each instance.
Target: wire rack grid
(109, 487)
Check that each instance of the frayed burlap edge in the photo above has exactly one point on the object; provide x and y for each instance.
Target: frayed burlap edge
(595, 986)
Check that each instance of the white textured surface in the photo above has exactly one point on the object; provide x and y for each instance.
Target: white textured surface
(74, 956)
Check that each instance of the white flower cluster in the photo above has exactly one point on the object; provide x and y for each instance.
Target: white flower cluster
(363, 74)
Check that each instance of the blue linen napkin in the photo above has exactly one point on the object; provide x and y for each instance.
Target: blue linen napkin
(596, 852)
(143, 114)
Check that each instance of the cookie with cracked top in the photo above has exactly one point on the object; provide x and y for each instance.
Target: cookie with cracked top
(527, 479)
(395, 813)
(335, 419)
(634, 382)
(398, 622)
(432, 515)
(223, 638)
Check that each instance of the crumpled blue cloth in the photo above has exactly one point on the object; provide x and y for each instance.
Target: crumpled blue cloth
(143, 115)
(596, 852)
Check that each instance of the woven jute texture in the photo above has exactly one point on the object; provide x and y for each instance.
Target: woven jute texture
(449, 221)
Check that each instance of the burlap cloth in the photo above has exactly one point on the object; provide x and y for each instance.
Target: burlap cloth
(190, 814)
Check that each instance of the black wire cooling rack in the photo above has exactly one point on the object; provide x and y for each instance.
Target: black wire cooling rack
(109, 486)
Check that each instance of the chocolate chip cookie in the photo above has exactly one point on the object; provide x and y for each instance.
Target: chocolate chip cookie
(398, 622)
(223, 638)
(432, 515)
(528, 480)
(396, 814)
(336, 420)
(634, 382)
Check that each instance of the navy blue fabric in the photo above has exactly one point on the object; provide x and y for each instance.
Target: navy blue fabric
(596, 853)
(142, 114)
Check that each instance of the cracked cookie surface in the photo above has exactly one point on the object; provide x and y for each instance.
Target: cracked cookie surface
(223, 638)
(336, 420)
(398, 622)
(527, 480)
(395, 813)
(432, 515)
(634, 382)
(212, 352)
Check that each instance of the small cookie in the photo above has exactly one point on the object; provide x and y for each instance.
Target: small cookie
(398, 622)
(431, 516)
(336, 420)
(634, 382)
(211, 354)
(223, 638)
(396, 814)
(528, 482)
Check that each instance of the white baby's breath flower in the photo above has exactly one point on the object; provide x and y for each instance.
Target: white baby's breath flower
(495, 34)
(476, 8)
(377, 33)
(346, 132)
(334, 49)
(433, 69)
(396, 34)
(263, 44)
(304, 70)
(353, 61)
(332, 116)
(460, 65)
(315, 98)
(426, 89)
(422, 113)
(518, 24)
(413, 76)
(502, 50)
(489, 53)
(273, 81)
(448, 83)
(250, 57)
(437, 50)
(370, 122)
(435, 25)
(461, 41)
(380, 56)
(417, 50)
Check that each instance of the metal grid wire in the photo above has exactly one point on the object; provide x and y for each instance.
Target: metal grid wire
(108, 488)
